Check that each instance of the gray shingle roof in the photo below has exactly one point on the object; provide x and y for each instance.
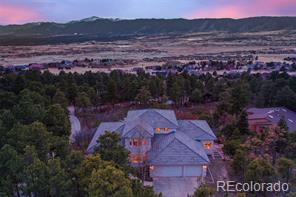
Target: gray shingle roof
(274, 115)
(155, 117)
(176, 149)
(137, 125)
(104, 126)
(196, 129)
(159, 143)
(193, 145)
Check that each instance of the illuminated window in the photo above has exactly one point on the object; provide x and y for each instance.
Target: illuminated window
(145, 142)
(135, 142)
(166, 130)
(208, 145)
(137, 158)
(157, 130)
(145, 157)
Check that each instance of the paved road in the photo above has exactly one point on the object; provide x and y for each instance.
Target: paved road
(75, 124)
(175, 186)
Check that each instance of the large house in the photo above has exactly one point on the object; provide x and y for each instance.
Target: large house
(268, 118)
(167, 146)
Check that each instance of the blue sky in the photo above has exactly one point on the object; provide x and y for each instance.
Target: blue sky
(22, 11)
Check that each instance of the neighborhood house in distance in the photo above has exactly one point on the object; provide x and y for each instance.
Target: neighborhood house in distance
(168, 147)
(268, 118)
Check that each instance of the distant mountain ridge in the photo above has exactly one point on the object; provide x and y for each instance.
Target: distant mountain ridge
(95, 28)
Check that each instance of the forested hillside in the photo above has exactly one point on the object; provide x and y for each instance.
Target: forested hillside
(109, 29)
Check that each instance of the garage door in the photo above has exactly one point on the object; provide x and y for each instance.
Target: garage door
(192, 170)
(166, 171)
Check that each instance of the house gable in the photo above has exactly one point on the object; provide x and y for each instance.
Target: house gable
(138, 132)
(137, 125)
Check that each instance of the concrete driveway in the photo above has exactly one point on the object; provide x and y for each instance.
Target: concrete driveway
(175, 186)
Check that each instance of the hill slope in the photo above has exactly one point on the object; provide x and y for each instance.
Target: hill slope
(105, 29)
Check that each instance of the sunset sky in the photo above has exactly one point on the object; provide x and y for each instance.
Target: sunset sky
(23, 11)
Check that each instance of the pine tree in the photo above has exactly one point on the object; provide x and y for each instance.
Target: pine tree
(143, 96)
(110, 149)
(282, 124)
(242, 123)
(109, 182)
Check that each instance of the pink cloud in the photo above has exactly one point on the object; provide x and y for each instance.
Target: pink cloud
(273, 4)
(17, 14)
(271, 7)
(247, 9)
(222, 12)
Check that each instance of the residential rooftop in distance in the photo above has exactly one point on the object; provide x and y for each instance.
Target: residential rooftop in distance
(270, 117)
